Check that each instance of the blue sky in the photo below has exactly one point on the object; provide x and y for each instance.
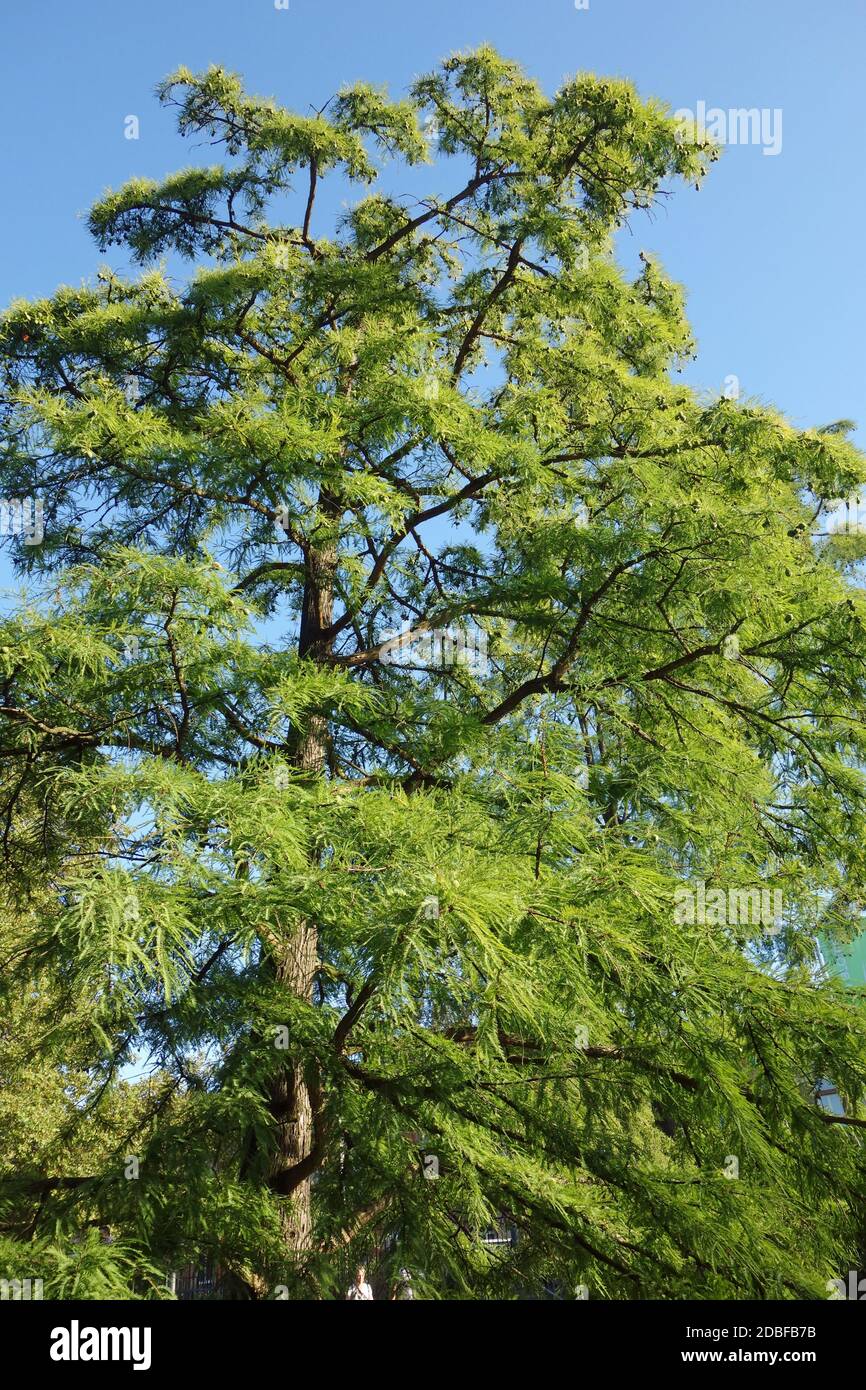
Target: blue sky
(770, 250)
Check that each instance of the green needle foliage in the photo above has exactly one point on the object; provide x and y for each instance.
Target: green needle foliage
(404, 638)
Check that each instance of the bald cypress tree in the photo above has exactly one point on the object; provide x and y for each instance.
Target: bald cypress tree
(416, 691)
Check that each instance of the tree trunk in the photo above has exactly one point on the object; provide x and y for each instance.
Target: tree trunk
(290, 1098)
(290, 1103)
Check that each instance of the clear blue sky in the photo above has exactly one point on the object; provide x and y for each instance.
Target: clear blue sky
(771, 249)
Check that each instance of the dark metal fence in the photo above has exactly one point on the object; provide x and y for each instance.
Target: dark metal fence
(196, 1281)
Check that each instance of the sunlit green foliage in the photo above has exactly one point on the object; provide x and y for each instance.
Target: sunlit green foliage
(456, 413)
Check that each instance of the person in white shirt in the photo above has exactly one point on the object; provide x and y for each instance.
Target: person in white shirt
(360, 1288)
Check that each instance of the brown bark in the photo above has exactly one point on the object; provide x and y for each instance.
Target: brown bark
(290, 1102)
(293, 1097)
